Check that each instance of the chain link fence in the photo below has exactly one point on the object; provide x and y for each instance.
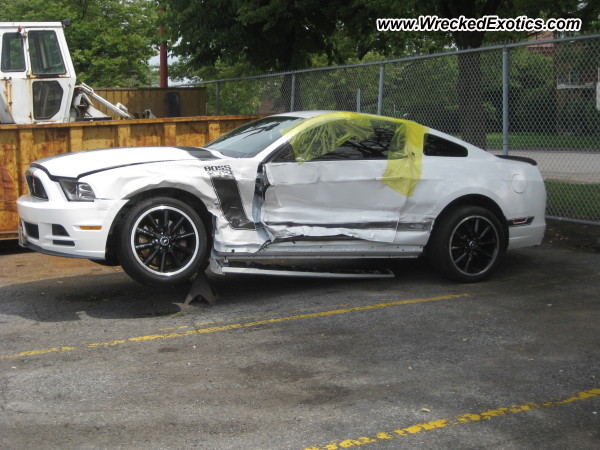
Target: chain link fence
(539, 99)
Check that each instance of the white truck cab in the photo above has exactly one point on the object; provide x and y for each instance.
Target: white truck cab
(37, 78)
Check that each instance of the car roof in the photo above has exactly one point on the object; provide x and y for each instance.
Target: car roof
(304, 114)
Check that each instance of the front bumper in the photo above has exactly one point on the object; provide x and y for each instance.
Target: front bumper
(57, 226)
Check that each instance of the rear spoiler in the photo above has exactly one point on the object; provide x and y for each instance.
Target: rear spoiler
(519, 158)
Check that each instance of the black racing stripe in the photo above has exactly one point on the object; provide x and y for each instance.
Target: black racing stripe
(198, 152)
(195, 152)
(91, 172)
(230, 199)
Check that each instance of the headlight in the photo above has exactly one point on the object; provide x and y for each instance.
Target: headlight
(77, 191)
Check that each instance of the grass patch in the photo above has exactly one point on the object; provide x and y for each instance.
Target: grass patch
(517, 141)
(575, 201)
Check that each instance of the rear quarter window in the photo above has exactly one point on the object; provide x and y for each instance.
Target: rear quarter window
(438, 146)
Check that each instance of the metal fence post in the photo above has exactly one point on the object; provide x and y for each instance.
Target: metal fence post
(293, 94)
(218, 99)
(505, 106)
(358, 100)
(380, 96)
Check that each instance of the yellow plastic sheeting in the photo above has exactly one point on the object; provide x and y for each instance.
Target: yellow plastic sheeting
(322, 134)
(402, 175)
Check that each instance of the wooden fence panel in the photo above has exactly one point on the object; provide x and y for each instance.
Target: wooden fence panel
(20, 145)
(192, 101)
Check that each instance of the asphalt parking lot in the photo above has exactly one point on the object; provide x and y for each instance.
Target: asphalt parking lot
(90, 359)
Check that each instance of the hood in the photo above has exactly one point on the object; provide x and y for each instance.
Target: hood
(76, 165)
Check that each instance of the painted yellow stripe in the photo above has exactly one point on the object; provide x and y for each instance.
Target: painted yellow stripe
(38, 352)
(235, 326)
(290, 318)
(243, 318)
(458, 420)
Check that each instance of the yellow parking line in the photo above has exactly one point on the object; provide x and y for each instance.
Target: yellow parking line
(235, 326)
(196, 325)
(459, 420)
(38, 352)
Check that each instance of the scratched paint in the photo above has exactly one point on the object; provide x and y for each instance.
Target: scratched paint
(215, 329)
(458, 420)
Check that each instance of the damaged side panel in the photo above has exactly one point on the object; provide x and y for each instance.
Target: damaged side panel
(348, 192)
(349, 175)
(227, 197)
(330, 198)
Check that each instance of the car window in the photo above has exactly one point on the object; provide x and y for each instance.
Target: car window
(346, 139)
(438, 146)
(285, 153)
(375, 146)
(250, 139)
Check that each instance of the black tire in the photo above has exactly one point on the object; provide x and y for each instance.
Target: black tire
(162, 242)
(466, 244)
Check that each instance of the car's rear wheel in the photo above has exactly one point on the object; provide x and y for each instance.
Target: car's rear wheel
(162, 242)
(466, 244)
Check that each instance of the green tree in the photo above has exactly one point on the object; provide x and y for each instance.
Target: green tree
(275, 35)
(111, 41)
(241, 97)
(270, 35)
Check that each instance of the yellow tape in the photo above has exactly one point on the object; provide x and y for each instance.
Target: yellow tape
(402, 175)
(322, 134)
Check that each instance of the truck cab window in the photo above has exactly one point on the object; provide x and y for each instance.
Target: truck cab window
(13, 55)
(44, 49)
(47, 98)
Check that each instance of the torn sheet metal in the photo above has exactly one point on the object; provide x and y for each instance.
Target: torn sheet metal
(234, 226)
(333, 192)
(229, 197)
(330, 198)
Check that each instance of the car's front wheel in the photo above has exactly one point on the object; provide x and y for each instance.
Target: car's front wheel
(162, 242)
(466, 244)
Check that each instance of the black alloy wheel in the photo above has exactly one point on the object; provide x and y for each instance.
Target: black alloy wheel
(163, 242)
(466, 244)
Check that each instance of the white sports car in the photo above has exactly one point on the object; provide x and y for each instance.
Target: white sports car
(301, 185)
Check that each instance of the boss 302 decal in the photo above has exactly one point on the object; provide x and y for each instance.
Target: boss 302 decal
(230, 200)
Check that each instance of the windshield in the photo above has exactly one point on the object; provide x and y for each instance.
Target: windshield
(250, 139)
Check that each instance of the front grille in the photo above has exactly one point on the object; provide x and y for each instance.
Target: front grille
(36, 188)
(32, 230)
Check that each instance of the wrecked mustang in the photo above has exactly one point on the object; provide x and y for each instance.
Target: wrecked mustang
(302, 185)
